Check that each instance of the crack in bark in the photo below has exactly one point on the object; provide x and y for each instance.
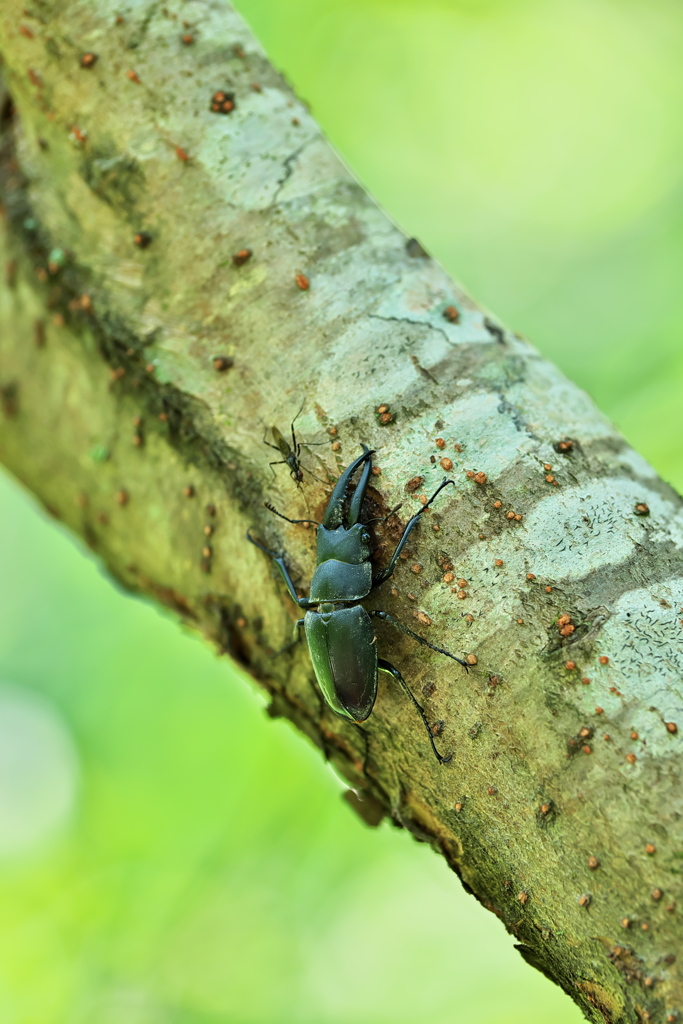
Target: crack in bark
(415, 323)
(288, 164)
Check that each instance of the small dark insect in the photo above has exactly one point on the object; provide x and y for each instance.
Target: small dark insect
(339, 630)
(290, 454)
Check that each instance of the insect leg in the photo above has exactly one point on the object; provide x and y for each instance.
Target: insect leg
(311, 473)
(386, 617)
(385, 573)
(296, 446)
(303, 602)
(293, 642)
(386, 666)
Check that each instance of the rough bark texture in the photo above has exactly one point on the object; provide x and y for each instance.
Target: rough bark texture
(561, 807)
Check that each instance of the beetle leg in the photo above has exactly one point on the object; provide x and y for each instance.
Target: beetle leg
(293, 642)
(388, 571)
(303, 602)
(386, 666)
(377, 614)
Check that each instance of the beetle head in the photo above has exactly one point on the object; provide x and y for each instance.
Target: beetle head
(344, 544)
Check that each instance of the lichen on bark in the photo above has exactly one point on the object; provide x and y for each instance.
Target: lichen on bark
(556, 560)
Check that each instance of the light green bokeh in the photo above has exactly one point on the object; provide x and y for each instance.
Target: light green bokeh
(206, 869)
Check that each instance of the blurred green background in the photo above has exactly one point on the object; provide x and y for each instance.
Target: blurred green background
(168, 855)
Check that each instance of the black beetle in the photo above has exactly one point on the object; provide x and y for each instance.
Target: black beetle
(341, 639)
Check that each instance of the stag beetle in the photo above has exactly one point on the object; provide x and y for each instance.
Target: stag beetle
(339, 631)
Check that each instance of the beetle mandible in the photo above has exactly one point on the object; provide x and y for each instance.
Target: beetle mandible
(339, 631)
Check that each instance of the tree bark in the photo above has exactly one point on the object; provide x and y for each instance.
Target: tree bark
(141, 360)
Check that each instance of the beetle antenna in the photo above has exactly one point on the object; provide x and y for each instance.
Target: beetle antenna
(286, 518)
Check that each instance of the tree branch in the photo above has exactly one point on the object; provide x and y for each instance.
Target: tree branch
(137, 375)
